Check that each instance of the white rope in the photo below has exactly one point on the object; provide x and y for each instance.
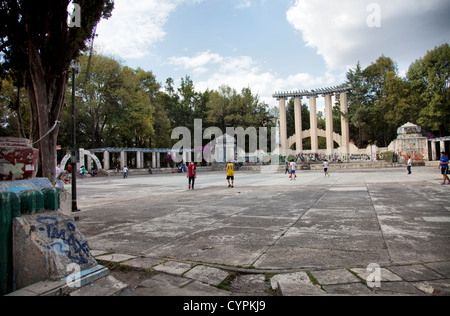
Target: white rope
(48, 133)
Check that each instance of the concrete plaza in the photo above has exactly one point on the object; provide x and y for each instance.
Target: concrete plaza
(328, 229)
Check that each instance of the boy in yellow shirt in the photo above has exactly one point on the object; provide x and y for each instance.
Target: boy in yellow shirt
(230, 175)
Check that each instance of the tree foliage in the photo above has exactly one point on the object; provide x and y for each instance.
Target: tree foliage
(380, 100)
(37, 47)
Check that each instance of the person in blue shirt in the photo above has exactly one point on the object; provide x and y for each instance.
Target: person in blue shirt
(444, 167)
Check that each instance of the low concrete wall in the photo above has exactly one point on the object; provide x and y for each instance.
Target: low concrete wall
(48, 246)
(39, 238)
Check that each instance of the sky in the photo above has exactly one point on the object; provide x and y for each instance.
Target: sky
(270, 45)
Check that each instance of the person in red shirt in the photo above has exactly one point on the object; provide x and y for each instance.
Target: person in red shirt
(192, 174)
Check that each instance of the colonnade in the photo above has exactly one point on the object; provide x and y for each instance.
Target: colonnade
(312, 96)
(435, 152)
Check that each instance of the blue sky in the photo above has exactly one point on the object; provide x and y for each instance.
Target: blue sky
(270, 45)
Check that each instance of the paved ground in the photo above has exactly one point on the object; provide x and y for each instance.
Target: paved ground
(269, 235)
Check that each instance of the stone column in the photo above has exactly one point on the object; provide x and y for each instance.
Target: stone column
(158, 160)
(138, 160)
(89, 163)
(345, 126)
(154, 160)
(106, 159)
(298, 124)
(81, 162)
(313, 118)
(329, 124)
(283, 126)
(123, 159)
(442, 145)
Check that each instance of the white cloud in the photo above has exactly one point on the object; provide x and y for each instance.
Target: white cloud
(136, 25)
(244, 4)
(340, 32)
(197, 63)
(211, 70)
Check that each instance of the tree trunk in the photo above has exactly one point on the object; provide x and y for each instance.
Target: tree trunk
(20, 128)
(47, 99)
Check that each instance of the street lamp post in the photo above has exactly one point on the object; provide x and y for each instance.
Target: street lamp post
(76, 69)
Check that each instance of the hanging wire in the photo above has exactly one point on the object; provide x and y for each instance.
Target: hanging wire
(48, 133)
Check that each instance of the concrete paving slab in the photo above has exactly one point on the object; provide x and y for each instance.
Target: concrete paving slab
(442, 268)
(168, 285)
(351, 219)
(249, 283)
(144, 263)
(97, 253)
(437, 287)
(116, 257)
(353, 289)
(385, 274)
(416, 273)
(209, 275)
(173, 267)
(284, 257)
(294, 284)
(397, 288)
(339, 276)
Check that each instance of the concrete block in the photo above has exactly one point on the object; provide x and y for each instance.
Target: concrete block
(108, 286)
(295, 284)
(48, 246)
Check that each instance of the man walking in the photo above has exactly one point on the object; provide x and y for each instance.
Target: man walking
(192, 174)
(444, 168)
(230, 175)
(292, 168)
(325, 167)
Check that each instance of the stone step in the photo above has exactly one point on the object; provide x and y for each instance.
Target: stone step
(108, 286)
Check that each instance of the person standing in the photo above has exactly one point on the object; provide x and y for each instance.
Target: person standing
(230, 175)
(325, 168)
(192, 174)
(125, 172)
(292, 166)
(409, 165)
(444, 168)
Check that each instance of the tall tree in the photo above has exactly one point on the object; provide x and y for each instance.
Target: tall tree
(37, 42)
(359, 112)
(430, 76)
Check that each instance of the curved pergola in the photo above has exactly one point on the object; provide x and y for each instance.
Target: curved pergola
(343, 140)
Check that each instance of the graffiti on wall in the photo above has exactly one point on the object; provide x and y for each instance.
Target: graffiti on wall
(416, 155)
(389, 155)
(359, 157)
(65, 239)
